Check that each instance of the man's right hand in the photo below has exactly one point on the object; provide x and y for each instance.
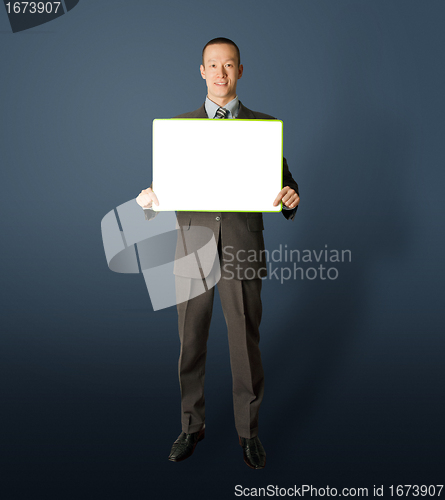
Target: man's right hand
(146, 198)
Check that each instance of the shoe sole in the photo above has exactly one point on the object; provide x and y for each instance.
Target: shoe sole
(200, 438)
(251, 466)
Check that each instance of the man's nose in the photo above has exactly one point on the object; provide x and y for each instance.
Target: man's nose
(222, 71)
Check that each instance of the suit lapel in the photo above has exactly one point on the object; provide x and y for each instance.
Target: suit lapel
(245, 113)
(201, 112)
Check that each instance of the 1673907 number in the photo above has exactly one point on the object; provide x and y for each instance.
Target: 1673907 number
(32, 7)
(416, 490)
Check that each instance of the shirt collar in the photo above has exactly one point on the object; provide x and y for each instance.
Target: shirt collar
(232, 107)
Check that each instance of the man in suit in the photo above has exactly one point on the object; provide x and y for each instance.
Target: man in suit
(236, 234)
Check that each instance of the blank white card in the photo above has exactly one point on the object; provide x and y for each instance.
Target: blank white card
(217, 165)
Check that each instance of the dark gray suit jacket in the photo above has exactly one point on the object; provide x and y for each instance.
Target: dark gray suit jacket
(241, 233)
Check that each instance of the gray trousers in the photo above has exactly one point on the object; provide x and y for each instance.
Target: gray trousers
(241, 304)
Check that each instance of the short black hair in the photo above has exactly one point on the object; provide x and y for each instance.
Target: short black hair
(221, 40)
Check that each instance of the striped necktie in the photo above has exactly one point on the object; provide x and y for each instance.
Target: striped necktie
(222, 113)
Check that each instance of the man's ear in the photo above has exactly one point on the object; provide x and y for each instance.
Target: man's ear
(203, 71)
(240, 71)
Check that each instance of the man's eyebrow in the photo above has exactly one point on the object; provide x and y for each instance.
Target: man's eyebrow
(211, 60)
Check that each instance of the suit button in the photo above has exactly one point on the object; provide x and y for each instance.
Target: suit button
(218, 218)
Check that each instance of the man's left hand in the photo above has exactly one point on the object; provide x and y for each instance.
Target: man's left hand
(288, 196)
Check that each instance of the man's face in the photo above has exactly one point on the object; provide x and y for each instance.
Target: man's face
(221, 72)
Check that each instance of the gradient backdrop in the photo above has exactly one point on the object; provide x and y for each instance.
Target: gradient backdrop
(354, 367)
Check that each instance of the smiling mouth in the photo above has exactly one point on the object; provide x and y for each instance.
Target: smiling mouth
(220, 84)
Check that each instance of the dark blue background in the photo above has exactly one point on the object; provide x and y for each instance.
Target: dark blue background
(354, 367)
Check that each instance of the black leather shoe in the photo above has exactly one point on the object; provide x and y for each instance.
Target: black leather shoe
(185, 445)
(254, 454)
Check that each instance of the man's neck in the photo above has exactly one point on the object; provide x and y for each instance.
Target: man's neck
(222, 102)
